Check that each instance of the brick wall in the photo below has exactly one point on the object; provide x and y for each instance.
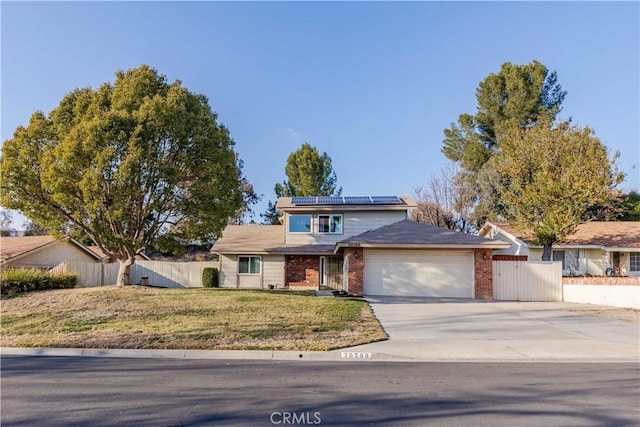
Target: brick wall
(355, 258)
(610, 281)
(483, 274)
(500, 257)
(302, 271)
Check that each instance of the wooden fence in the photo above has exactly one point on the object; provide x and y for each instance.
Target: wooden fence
(527, 280)
(89, 273)
(160, 273)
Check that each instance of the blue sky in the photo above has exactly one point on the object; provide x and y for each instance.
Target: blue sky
(371, 83)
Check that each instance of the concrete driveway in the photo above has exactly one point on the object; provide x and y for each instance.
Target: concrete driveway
(440, 329)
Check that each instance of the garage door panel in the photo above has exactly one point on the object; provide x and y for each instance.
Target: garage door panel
(419, 273)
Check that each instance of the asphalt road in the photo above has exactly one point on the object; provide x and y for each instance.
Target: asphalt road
(75, 391)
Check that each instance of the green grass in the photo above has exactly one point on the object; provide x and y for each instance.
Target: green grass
(142, 317)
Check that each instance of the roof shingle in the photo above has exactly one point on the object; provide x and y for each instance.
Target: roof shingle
(610, 234)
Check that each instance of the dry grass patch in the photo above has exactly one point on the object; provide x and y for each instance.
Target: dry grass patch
(142, 317)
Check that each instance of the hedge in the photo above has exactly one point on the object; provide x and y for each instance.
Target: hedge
(29, 279)
(210, 277)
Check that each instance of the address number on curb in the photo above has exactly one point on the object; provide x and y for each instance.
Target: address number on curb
(355, 355)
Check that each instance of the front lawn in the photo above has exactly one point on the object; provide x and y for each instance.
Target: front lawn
(214, 319)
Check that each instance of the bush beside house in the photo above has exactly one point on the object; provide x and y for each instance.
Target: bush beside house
(210, 277)
(25, 280)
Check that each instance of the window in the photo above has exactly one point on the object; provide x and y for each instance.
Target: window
(330, 224)
(299, 223)
(634, 262)
(249, 264)
(569, 259)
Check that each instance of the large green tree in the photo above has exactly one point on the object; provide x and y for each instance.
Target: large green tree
(630, 206)
(124, 164)
(517, 96)
(309, 173)
(552, 175)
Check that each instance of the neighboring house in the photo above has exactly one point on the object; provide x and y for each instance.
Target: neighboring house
(43, 252)
(597, 248)
(363, 245)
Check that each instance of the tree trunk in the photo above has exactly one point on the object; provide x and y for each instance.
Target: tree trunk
(123, 272)
(546, 251)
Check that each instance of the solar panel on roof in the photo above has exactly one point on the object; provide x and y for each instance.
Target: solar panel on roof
(386, 200)
(348, 200)
(357, 200)
(303, 201)
(329, 200)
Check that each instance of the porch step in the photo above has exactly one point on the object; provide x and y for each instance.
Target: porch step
(324, 293)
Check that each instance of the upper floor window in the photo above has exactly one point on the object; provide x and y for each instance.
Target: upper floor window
(299, 223)
(330, 224)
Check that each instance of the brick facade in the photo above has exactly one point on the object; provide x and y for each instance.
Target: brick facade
(483, 266)
(302, 271)
(355, 275)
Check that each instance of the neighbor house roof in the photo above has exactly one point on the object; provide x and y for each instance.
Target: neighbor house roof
(407, 234)
(15, 247)
(609, 234)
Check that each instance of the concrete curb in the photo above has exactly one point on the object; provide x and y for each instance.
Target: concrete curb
(187, 354)
(344, 355)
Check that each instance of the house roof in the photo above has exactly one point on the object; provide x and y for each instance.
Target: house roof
(249, 238)
(15, 247)
(609, 234)
(260, 239)
(409, 233)
(12, 247)
(286, 204)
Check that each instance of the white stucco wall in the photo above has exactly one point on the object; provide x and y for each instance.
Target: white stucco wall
(52, 255)
(610, 295)
(517, 247)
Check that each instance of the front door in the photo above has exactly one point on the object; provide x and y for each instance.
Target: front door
(616, 263)
(331, 272)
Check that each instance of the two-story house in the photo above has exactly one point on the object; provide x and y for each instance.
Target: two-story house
(365, 245)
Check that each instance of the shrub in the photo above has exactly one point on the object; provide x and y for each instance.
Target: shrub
(210, 277)
(29, 279)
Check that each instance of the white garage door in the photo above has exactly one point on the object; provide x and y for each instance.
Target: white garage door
(418, 273)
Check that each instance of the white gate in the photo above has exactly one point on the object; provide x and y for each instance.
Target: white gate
(527, 280)
(89, 273)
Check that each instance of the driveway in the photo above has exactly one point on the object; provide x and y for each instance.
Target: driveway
(439, 329)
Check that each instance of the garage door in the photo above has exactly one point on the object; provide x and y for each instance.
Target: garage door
(418, 273)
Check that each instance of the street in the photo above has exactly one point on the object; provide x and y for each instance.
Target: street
(75, 391)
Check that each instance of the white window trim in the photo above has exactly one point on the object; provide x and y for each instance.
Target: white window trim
(300, 232)
(632, 254)
(565, 262)
(249, 273)
(330, 217)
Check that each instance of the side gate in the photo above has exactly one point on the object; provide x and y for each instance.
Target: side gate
(527, 280)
